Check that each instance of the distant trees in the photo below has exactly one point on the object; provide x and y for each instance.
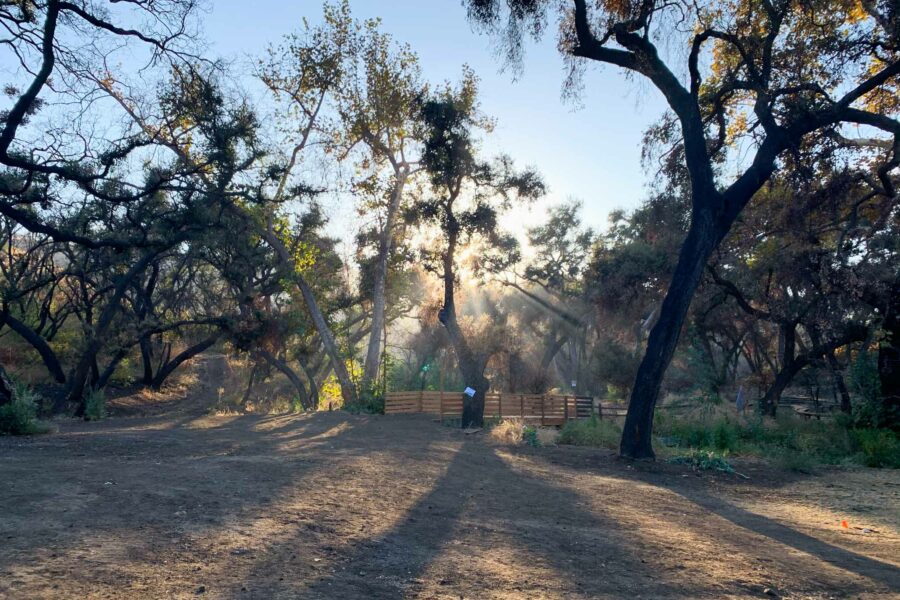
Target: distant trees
(771, 74)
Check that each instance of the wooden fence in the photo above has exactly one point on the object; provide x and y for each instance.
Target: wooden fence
(546, 409)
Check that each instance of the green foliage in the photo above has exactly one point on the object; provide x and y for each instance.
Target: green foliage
(703, 460)
(877, 447)
(789, 442)
(94, 405)
(19, 417)
(368, 402)
(530, 436)
(591, 432)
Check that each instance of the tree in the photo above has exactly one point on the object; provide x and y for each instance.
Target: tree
(772, 73)
(377, 103)
(467, 195)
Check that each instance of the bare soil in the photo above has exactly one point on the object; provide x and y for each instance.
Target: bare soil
(174, 503)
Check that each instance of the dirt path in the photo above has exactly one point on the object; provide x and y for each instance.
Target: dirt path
(338, 506)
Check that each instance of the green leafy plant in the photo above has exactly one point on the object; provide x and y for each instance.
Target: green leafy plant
(703, 460)
(591, 432)
(95, 405)
(19, 417)
(530, 436)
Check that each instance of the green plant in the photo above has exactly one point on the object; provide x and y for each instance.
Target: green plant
(94, 405)
(877, 447)
(19, 417)
(703, 460)
(530, 436)
(591, 432)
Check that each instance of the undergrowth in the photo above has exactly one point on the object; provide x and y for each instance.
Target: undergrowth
(788, 442)
(19, 417)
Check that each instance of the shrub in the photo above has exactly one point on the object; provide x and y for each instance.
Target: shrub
(591, 432)
(877, 447)
(508, 431)
(94, 405)
(530, 436)
(19, 417)
(703, 460)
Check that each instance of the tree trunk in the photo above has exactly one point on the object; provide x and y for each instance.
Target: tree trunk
(373, 353)
(95, 340)
(290, 374)
(768, 405)
(38, 343)
(348, 390)
(187, 354)
(103, 378)
(147, 359)
(702, 239)
(471, 367)
(839, 383)
(889, 368)
(6, 388)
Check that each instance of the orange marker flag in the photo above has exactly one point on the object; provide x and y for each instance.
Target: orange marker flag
(845, 525)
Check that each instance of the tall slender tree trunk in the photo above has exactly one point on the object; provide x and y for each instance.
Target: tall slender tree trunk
(702, 238)
(348, 389)
(385, 243)
(839, 384)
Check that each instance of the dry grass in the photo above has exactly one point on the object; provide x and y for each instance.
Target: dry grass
(509, 431)
(512, 432)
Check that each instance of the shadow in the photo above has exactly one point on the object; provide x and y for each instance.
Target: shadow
(479, 507)
(842, 558)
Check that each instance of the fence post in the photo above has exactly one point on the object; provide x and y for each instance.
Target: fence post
(421, 393)
(565, 408)
(542, 409)
(441, 409)
(522, 406)
(500, 405)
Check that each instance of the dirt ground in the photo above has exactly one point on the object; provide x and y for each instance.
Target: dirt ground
(174, 503)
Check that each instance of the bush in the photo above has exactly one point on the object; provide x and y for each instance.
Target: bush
(703, 460)
(19, 417)
(94, 405)
(591, 432)
(877, 447)
(530, 436)
(508, 431)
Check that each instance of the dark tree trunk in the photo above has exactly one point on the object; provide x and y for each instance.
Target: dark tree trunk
(290, 374)
(88, 359)
(839, 383)
(176, 362)
(6, 388)
(699, 244)
(103, 379)
(471, 367)
(38, 343)
(889, 368)
(768, 405)
(147, 359)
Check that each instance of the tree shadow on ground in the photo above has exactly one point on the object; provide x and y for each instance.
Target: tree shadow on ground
(477, 511)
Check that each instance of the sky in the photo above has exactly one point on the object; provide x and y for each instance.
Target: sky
(591, 153)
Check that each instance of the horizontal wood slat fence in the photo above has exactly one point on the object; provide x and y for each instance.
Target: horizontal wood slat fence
(548, 409)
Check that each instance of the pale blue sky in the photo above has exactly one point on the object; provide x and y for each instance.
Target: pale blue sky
(592, 153)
